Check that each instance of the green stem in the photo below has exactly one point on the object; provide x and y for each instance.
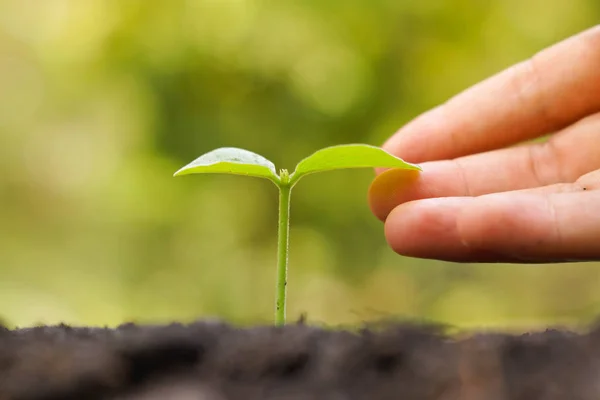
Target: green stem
(282, 249)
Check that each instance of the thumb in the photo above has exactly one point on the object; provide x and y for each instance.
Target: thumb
(537, 228)
(502, 227)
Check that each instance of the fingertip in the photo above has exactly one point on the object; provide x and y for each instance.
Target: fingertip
(399, 228)
(427, 229)
(385, 191)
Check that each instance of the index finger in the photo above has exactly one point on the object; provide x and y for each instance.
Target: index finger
(553, 89)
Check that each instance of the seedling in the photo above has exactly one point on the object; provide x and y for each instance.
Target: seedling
(230, 160)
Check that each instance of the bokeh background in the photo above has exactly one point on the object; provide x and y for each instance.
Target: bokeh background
(102, 100)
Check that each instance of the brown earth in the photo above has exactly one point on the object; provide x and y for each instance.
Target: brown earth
(215, 361)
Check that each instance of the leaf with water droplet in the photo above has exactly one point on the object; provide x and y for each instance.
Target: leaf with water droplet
(231, 160)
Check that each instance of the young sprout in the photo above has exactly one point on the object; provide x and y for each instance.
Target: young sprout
(230, 160)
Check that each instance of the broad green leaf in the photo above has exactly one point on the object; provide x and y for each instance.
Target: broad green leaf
(349, 156)
(231, 160)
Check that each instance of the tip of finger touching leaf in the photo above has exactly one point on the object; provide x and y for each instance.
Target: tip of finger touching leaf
(231, 160)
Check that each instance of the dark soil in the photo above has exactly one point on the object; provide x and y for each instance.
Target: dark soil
(214, 361)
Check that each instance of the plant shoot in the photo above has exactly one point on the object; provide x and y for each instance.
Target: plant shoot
(230, 160)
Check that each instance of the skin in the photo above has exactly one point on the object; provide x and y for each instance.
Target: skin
(487, 193)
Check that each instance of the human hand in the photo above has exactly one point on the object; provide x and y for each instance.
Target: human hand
(479, 201)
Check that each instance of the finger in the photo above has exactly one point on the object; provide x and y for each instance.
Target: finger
(506, 227)
(555, 227)
(427, 229)
(590, 181)
(566, 156)
(555, 88)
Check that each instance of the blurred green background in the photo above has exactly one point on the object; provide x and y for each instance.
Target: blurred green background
(102, 100)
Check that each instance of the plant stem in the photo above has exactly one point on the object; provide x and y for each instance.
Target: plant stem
(282, 250)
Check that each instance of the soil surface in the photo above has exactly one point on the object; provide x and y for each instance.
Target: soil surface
(214, 361)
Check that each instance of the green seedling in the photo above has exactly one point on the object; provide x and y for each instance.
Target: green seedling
(229, 160)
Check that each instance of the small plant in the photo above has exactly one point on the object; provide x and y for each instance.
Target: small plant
(229, 160)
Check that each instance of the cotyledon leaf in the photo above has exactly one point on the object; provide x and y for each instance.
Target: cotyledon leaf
(349, 156)
(231, 160)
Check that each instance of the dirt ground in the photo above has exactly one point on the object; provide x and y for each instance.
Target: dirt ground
(215, 361)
